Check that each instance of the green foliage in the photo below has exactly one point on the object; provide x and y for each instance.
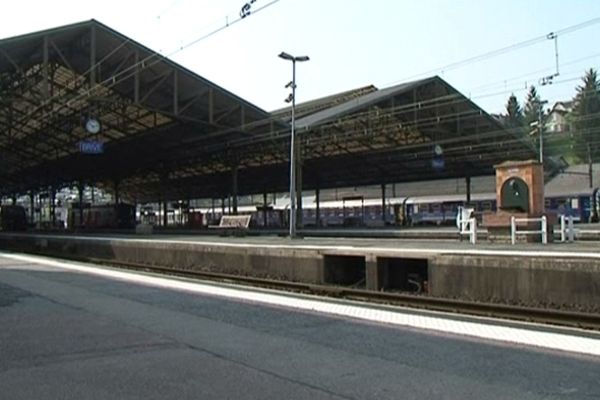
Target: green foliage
(562, 145)
(514, 118)
(586, 116)
(533, 105)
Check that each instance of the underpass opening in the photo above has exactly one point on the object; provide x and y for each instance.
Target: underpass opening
(344, 270)
(405, 274)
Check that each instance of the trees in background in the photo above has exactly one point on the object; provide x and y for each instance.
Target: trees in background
(586, 117)
(514, 114)
(583, 143)
(533, 106)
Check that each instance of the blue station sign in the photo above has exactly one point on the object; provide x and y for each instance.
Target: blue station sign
(91, 147)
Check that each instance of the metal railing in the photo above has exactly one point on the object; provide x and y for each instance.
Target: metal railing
(466, 224)
(567, 231)
(543, 231)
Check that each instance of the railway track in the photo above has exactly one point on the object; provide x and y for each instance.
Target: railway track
(584, 320)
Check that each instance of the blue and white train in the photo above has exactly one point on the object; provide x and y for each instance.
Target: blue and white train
(409, 211)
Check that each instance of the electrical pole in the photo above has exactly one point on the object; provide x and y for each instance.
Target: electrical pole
(541, 129)
(590, 167)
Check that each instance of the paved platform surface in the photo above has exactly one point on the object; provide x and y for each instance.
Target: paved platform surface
(421, 247)
(75, 335)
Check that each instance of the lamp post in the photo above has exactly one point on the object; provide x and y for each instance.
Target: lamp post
(292, 84)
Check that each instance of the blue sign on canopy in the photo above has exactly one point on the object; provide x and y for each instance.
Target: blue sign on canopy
(91, 147)
(438, 163)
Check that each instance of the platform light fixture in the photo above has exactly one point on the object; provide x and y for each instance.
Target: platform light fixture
(292, 98)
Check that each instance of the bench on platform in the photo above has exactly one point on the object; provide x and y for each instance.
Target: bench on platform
(233, 223)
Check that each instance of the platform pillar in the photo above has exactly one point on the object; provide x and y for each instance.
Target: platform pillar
(468, 185)
(265, 220)
(53, 206)
(234, 189)
(116, 186)
(212, 208)
(32, 208)
(318, 208)
(383, 202)
(165, 219)
(299, 221)
(80, 188)
(376, 273)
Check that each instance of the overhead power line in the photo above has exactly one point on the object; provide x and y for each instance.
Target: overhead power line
(506, 49)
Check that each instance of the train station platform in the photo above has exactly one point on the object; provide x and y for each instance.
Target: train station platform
(75, 330)
(563, 275)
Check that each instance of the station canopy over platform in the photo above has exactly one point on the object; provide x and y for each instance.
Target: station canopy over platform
(168, 134)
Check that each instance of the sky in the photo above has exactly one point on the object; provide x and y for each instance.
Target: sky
(351, 43)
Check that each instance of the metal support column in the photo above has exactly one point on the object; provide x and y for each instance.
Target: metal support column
(32, 208)
(299, 222)
(158, 216)
(53, 206)
(265, 219)
(590, 166)
(117, 194)
(468, 185)
(234, 188)
(80, 188)
(318, 207)
(165, 219)
(212, 208)
(383, 203)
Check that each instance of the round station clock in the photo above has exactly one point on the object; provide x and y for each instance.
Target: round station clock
(92, 125)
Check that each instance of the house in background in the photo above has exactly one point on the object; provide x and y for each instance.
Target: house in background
(556, 121)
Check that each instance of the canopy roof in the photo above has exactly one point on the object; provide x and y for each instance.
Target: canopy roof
(170, 134)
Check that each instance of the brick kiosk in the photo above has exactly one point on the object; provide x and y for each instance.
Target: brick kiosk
(519, 193)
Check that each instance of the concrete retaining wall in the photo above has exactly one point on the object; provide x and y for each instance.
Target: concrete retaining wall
(292, 265)
(531, 281)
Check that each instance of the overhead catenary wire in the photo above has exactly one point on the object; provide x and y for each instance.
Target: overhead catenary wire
(230, 129)
(504, 50)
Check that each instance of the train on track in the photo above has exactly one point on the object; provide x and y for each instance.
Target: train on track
(406, 211)
(355, 211)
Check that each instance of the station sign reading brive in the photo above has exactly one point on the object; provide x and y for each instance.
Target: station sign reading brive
(91, 147)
